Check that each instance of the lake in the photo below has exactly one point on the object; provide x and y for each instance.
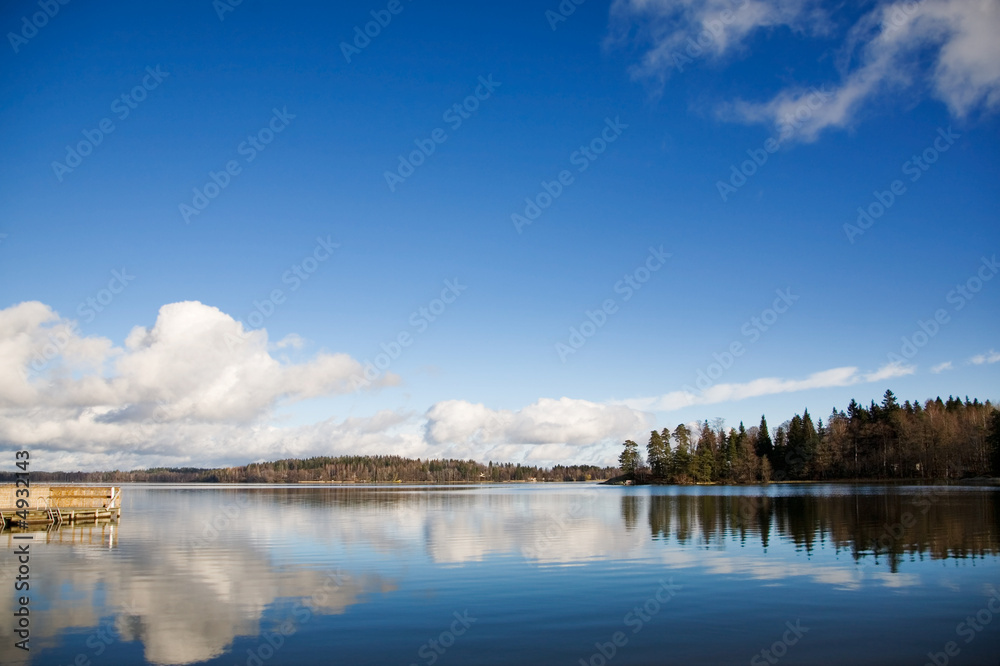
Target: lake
(519, 574)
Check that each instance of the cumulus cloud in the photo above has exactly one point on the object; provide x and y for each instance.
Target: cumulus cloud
(718, 393)
(547, 432)
(561, 424)
(197, 389)
(194, 385)
(947, 48)
(196, 362)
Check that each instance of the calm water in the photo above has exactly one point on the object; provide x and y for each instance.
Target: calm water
(551, 574)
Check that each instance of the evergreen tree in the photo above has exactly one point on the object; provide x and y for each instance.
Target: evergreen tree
(658, 455)
(681, 458)
(730, 449)
(668, 464)
(764, 446)
(704, 467)
(803, 441)
(779, 454)
(630, 460)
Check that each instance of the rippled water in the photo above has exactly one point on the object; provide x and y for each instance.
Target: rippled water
(519, 574)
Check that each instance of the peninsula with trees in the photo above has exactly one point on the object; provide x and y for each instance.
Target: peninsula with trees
(938, 440)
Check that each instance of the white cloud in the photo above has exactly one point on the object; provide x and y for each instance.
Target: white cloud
(947, 48)
(718, 393)
(679, 31)
(984, 359)
(196, 362)
(941, 367)
(291, 340)
(568, 422)
(887, 371)
(195, 386)
(196, 389)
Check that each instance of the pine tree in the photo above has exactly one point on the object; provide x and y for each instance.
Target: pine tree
(729, 450)
(658, 455)
(703, 467)
(681, 458)
(779, 454)
(630, 460)
(764, 446)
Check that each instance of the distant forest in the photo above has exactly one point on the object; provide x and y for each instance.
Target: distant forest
(951, 439)
(347, 469)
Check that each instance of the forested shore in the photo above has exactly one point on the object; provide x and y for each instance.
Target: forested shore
(936, 440)
(341, 469)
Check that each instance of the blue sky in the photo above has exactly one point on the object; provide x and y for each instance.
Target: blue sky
(834, 102)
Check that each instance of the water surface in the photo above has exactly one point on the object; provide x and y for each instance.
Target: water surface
(519, 574)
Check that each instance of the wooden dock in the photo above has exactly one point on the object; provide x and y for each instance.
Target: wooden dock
(57, 505)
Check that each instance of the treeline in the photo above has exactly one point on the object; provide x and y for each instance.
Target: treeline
(951, 439)
(346, 469)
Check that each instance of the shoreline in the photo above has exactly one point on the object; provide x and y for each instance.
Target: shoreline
(972, 481)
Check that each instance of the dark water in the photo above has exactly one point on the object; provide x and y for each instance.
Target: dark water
(532, 574)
